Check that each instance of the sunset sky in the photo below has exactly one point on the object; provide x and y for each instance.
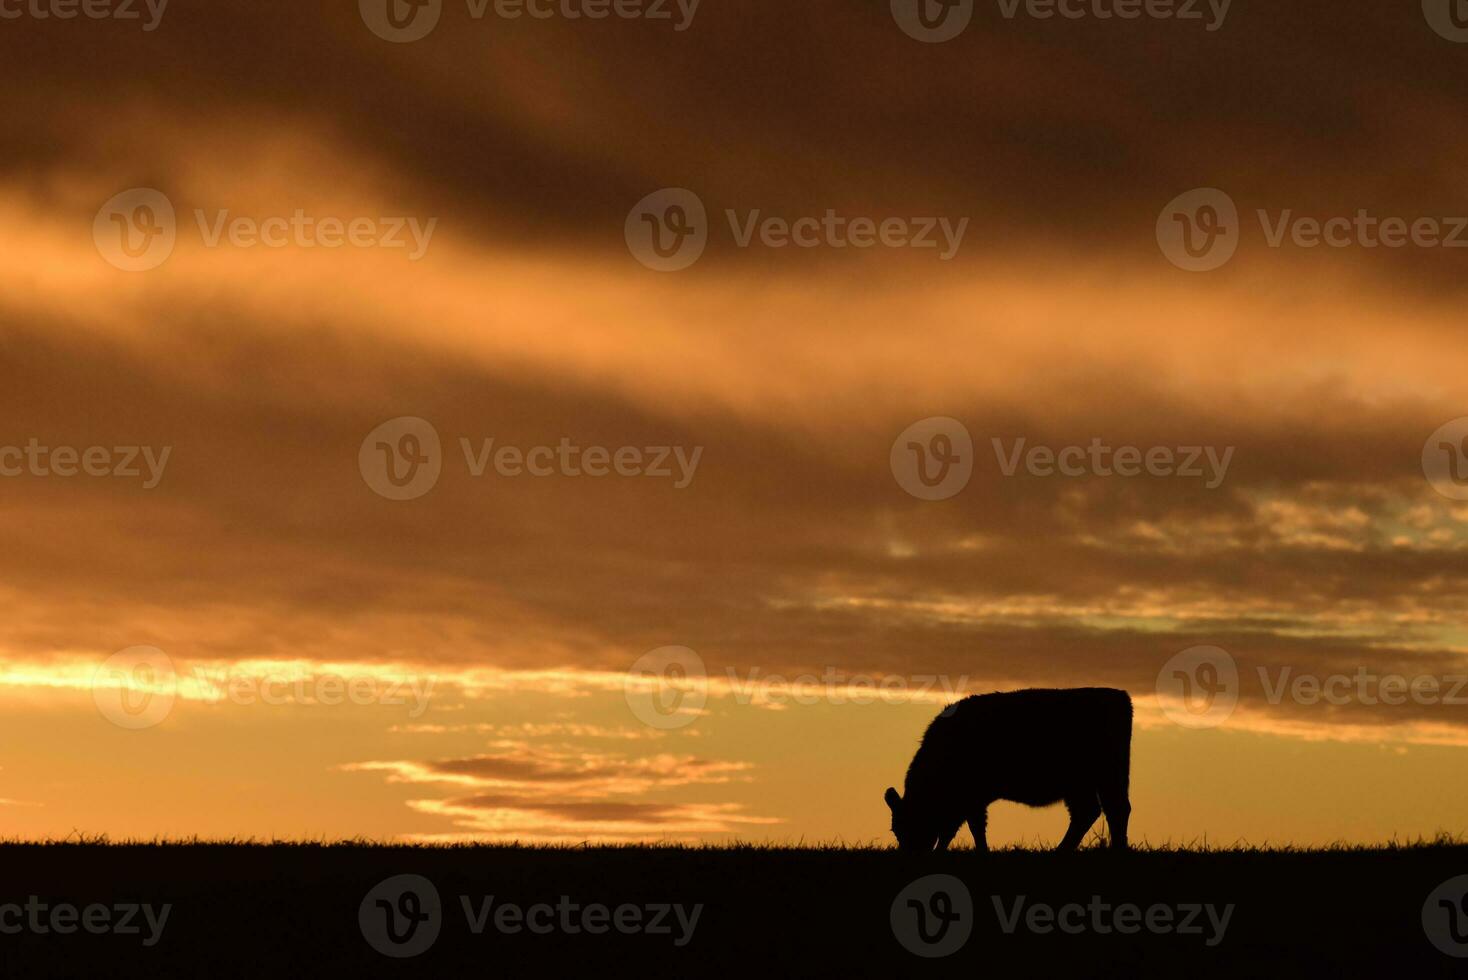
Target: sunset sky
(515, 605)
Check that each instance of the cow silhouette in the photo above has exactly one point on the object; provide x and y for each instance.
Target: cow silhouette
(1034, 747)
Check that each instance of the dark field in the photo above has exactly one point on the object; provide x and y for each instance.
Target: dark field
(284, 910)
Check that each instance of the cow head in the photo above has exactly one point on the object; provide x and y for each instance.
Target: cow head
(914, 829)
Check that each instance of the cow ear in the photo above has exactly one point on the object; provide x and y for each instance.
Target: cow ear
(892, 798)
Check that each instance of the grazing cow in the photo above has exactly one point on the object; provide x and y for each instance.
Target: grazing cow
(1033, 747)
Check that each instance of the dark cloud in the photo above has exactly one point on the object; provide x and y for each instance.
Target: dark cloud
(794, 548)
(1056, 135)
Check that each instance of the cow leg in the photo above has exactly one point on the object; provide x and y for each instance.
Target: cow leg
(1118, 810)
(1084, 809)
(946, 837)
(978, 821)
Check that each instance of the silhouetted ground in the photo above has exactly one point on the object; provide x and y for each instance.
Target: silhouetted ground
(285, 910)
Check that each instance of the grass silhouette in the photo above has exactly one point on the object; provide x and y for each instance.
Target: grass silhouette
(259, 907)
